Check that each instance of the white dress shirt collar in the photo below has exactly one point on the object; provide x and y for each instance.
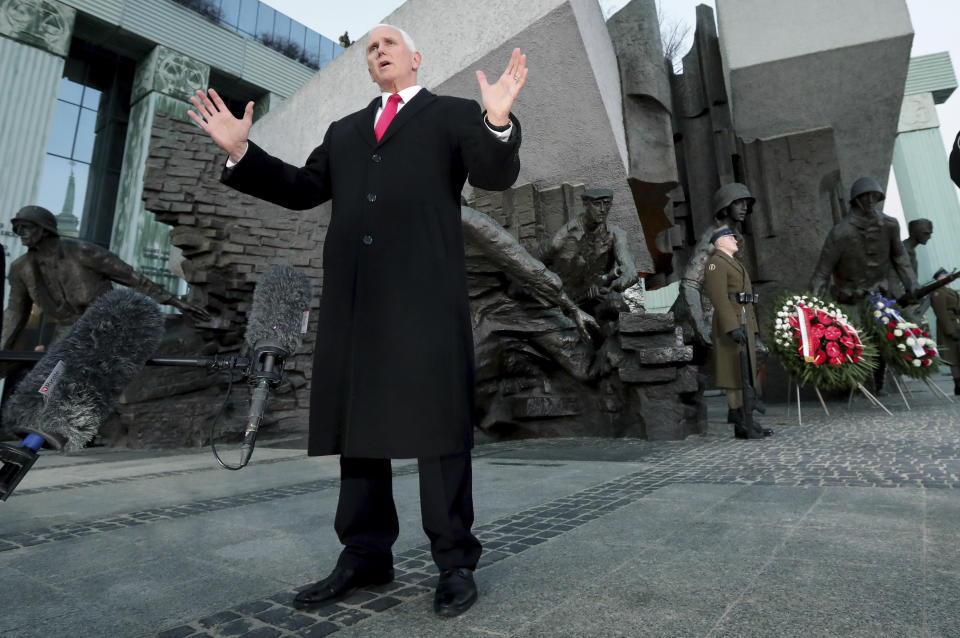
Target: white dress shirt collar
(405, 96)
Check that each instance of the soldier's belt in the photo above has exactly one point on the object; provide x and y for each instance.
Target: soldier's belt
(745, 297)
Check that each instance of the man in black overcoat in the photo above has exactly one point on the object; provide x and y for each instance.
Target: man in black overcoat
(393, 364)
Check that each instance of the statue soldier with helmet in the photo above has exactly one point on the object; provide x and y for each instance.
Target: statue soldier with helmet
(693, 311)
(862, 251)
(862, 254)
(63, 276)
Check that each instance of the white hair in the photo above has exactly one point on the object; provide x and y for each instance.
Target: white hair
(403, 34)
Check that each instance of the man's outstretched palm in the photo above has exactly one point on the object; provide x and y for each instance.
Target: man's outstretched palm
(213, 116)
(498, 98)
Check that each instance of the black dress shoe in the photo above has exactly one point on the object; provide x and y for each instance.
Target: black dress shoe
(456, 592)
(766, 431)
(341, 582)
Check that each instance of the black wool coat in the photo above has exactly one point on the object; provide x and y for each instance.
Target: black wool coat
(393, 362)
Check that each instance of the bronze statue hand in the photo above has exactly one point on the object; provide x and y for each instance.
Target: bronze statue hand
(585, 322)
(623, 282)
(498, 98)
(215, 118)
(198, 313)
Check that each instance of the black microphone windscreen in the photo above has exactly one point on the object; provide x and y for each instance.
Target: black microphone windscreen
(86, 372)
(278, 316)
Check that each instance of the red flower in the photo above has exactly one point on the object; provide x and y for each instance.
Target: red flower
(832, 333)
(927, 362)
(824, 318)
(889, 336)
(816, 330)
(797, 335)
(836, 361)
(892, 324)
(856, 358)
(819, 358)
(833, 350)
(924, 333)
(847, 342)
(794, 322)
(907, 358)
(916, 332)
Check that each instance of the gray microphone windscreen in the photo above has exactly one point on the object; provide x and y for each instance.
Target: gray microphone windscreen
(84, 374)
(278, 316)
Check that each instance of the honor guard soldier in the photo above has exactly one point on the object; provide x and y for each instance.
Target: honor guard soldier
(735, 332)
(946, 306)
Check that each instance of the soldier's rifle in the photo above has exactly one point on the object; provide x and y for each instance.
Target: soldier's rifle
(923, 291)
(746, 369)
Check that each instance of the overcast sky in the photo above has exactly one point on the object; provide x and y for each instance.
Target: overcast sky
(934, 25)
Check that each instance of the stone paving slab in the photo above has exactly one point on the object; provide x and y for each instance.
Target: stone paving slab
(846, 525)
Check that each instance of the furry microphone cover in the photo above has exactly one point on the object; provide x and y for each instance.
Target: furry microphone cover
(277, 317)
(101, 354)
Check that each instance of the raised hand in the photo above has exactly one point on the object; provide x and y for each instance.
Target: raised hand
(213, 116)
(498, 98)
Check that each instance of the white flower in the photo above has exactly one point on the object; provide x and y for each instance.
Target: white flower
(901, 347)
(910, 340)
(916, 363)
(781, 314)
(885, 320)
(880, 305)
(898, 333)
(877, 313)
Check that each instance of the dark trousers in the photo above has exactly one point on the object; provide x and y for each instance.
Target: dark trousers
(366, 520)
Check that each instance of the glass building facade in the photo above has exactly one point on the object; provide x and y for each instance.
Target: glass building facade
(255, 20)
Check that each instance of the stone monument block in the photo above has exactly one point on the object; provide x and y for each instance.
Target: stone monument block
(798, 66)
(647, 111)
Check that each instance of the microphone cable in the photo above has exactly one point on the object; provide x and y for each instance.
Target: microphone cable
(213, 428)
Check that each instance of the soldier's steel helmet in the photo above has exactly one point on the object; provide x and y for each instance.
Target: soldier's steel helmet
(729, 193)
(865, 185)
(37, 215)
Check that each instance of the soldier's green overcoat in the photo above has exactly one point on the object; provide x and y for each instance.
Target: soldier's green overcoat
(724, 276)
(946, 304)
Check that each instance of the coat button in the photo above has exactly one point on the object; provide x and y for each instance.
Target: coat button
(371, 197)
(367, 240)
(376, 158)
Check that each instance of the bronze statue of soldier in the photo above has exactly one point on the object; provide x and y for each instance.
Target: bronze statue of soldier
(946, 307)
(731, 205)
(63, 276)
(862, 251)
(734, 327)
(920, 232)
(592, 257)
(863, 254)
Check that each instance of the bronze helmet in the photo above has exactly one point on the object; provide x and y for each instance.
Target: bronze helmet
(729, 193)
(865, 185)
(36, 215)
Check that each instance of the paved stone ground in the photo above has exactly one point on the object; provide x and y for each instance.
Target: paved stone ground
(841, 526)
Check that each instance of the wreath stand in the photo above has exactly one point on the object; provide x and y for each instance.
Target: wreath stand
(794, 388)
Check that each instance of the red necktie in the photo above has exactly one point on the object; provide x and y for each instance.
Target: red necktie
(389, 111)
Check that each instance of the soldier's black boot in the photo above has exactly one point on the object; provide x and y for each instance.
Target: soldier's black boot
(735, 416)
(956, 387)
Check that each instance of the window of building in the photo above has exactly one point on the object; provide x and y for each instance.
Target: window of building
(66, 170)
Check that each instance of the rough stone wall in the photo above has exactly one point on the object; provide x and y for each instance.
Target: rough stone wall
(227, 240)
